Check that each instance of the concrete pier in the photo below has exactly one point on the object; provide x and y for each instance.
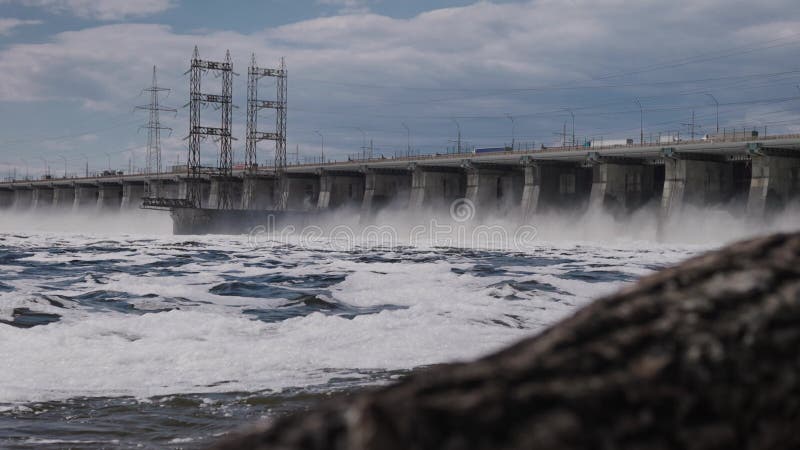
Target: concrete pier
(697, 180)
(63, 197)
(774, 182)
(85, 196)
(6, 198)
(340, 189)
(383, 187)
(435, 187)
(493, 189)
(42, 198)
(132, 195)
(258, 192)
(531, 191)
(620, 185)
(109, 197)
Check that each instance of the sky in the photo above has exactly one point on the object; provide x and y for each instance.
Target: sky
(396, 74)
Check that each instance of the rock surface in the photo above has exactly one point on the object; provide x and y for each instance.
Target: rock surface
(705, 355)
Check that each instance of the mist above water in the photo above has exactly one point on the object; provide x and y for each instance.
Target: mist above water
(707, 227)
(88, 222)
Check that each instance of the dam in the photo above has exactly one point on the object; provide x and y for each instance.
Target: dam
(750, 174)
(754, 175)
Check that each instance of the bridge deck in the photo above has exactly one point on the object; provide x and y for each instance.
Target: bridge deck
(729, 146)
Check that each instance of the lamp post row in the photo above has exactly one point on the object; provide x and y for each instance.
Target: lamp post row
(408, 134)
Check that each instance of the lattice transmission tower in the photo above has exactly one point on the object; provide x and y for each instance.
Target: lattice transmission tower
(198, 133)
(154, 129)
(254, 105)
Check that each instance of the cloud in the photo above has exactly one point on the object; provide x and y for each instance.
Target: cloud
(100, 9)
(348, 6)
(8, 25)
(375, 72)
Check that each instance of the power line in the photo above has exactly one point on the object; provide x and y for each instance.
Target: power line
(153, 126)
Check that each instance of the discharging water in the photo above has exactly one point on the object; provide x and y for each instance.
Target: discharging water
(118, 339)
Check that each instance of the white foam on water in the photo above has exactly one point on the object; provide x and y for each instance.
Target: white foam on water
(188, 351)
(427, 304)
(435, 315)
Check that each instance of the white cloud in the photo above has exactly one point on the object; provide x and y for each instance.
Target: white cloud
(348, 6)
(101, 9)
(7, 25)
(334, 62)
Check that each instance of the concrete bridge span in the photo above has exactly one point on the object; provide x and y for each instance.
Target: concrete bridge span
(755, 177)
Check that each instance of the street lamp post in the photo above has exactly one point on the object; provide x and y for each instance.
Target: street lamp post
(87, 164)
(408, 135)
(573, 126)
(717, 105)
(322, 152)
(363, 142)
(46, 167)
(132, 162)
(458, 140)
(65, 165)
(513, 130)
(641, 122)
(27, 175)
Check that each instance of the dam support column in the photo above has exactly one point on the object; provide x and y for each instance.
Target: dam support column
(493, 189)
(132, 195)
(85, 196)
(775, 181)
(64, 197)
(23, 198)
(258, 192)
(6, 198)
(552, 185)
(435, 187)
(697, 180)
(109, 197)
(620, 185)
(340, 189)
(42, 198)
(384, 187)
(531, 190)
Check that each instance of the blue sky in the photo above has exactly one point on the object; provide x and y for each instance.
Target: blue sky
(71, 72)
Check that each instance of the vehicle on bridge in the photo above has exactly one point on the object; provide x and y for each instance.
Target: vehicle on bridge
(608, 143)
(480, 151)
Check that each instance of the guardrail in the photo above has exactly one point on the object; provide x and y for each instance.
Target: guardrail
(434, 156)
(423, 157)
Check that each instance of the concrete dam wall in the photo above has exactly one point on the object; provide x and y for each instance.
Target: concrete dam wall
(753, 179)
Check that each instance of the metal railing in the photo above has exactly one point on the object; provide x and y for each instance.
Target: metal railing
(268, 169)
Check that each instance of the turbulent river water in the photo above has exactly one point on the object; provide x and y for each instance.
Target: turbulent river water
(121, 335)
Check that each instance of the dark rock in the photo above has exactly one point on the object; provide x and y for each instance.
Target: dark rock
(705, 355)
